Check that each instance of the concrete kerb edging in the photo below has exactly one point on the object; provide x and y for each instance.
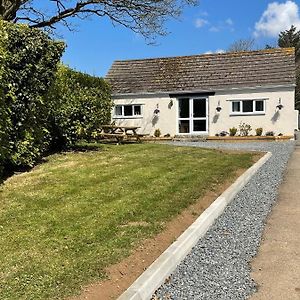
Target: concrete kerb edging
(148, 282)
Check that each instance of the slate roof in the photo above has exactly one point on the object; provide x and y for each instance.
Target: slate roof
(206, 72)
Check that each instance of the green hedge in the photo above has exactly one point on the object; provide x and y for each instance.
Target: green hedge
(43, 105)
(79, 104)
(4, 120)
(28, 62)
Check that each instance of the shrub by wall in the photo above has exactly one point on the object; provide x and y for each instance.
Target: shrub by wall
(79, 104)
(3, 109)
(28, 62)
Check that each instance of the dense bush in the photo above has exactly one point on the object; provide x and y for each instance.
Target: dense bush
(258, 131)
(157, 133)
(42, 106)
(28, 60)
(78, 105)
(244, 129)
(270, 133)
(232, 131)
(3, 109)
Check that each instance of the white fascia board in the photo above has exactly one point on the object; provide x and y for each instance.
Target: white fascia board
(161, 94)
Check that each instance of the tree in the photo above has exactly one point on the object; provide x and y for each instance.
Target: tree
(271, 46)
(146, 17)
(297, 90)
(290, 38)
(241, 45)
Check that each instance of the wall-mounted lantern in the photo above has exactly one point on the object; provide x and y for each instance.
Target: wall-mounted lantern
(156, 110)
(218, 108)
(170, 104)
(279, 106)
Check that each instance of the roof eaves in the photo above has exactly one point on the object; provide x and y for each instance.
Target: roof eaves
(163, 93)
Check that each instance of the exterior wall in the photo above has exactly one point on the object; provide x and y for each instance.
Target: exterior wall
(283, 121)
(166, 121)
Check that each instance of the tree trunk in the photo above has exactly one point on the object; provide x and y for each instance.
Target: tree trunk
(9, 8)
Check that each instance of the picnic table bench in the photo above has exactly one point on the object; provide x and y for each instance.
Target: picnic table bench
(120, 133)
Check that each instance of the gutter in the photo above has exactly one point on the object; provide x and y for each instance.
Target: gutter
(209, 91)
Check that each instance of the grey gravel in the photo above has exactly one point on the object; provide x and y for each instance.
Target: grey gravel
(218, 266)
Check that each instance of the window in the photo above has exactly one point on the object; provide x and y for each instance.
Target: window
(137, 110)
(128, 111)
(259, 105)
(118, 110)
(247, 107)
(236, 106)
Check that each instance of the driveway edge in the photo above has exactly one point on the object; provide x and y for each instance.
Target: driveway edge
(150, 280)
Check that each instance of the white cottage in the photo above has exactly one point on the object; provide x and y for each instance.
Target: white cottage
(207, 94)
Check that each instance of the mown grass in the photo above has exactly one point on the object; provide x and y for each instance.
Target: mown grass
(65, 221)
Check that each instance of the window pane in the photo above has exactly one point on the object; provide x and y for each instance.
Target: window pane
(137, 110)
(118, 110)
(184, 126)
(259, 105)
(200, 125)
(199, 106)
(184, 108)
(248, 106)
(127, 110)
(236, 106)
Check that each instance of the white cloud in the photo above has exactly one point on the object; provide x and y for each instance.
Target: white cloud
(276, 18)
(200, 22)
(214, 29)
(224, 25)
(229, 22)
(204, 13)
(219, 51)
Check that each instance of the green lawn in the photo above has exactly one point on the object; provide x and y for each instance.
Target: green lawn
(62, 223)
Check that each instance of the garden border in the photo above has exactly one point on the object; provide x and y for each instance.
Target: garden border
(150, 280)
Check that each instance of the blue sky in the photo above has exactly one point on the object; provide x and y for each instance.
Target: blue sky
(209, 27)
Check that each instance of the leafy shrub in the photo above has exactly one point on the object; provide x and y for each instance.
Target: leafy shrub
(244, 129)
(258, 131)
(270, 133)
(28, 62)
(232, 131)
(4, 119)
(157, 133)
(78, 105)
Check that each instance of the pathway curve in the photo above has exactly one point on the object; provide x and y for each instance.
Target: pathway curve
(276, 269)
(218, 266)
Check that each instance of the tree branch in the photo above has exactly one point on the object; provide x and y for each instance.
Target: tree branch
(146, 17)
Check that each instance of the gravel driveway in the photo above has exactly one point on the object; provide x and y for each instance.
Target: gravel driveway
(218, 266)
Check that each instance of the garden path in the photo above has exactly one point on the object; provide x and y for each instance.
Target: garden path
(276, 268)
(218, 267)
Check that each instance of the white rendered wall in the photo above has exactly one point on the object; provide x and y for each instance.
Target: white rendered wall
(165, 121)
(283, 121)
(280, 121)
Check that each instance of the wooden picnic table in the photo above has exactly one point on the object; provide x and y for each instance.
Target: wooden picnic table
(120, 132)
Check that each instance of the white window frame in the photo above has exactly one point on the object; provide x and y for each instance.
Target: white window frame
(133, 116)
(254, 112)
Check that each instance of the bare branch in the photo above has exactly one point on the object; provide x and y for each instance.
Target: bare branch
(146, 17)
(242, 45)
